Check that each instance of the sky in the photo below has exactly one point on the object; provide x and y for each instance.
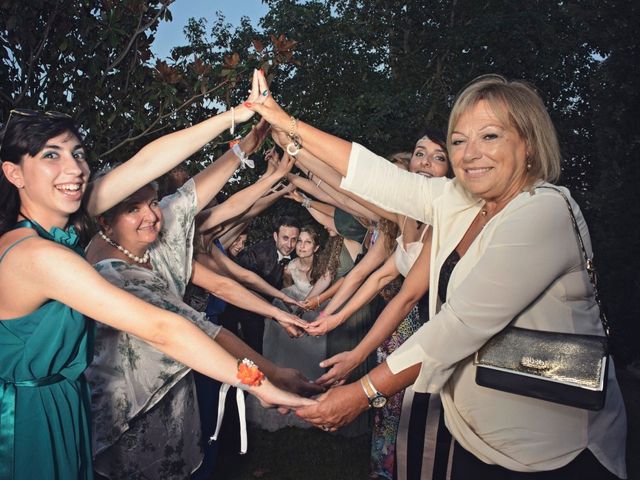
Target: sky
(170, 33)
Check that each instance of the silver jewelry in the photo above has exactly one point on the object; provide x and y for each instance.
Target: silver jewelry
(232, 130)
(325, 428)
(292, 149)
(142, 260)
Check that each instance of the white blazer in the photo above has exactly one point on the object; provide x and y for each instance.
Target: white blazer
(526, 263)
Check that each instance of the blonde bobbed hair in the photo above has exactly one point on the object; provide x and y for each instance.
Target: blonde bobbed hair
(515, 103)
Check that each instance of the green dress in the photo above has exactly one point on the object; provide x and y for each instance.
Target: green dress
(44, 398)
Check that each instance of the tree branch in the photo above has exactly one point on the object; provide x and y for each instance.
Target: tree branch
(139, 30)
(150, 129)
(34, 57)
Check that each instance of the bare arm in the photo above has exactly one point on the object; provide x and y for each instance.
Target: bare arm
(161, 155)
(372, 286)
(37, 261)
(210, 180)
(332, 150)
(414, 287)
(219, 262)
(286, 378)
(242, 200)
(230, 233)
(320, 286)
(336, 198)
(372, 260)
(232, 292)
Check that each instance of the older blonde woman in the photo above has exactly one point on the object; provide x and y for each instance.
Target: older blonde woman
(502, 250)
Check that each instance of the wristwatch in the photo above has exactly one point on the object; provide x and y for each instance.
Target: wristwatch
(376, 399)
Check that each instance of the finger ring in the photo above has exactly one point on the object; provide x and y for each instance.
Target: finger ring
(265, 92)
(324, 428)
(336, 382)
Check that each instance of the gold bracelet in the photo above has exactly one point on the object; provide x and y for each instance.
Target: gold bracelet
(295, 138)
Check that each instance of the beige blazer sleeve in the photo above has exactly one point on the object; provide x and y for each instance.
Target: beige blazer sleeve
(513, 262)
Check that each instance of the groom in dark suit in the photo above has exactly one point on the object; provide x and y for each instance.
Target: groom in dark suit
(267, 259)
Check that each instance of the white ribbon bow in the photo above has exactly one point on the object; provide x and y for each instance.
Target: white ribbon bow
(245, 161)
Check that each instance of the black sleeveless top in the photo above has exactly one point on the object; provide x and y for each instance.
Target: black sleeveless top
(445, 274)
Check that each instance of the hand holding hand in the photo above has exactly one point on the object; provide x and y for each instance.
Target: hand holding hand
(267, 106)
(291, 301)
(257, 95)
(336, 408)
(296, 196)
(292, 380)
(341, 365)
(294, 325)
(324, 324)
(272, 396)
(284, 165)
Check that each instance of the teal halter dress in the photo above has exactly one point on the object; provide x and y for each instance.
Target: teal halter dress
(44, 398)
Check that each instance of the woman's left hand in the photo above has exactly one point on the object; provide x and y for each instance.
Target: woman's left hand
(340, 366)
(336, 408)
(294, 325)
(323, 324)
(284, 165)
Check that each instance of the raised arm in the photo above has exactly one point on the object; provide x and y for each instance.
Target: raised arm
(242, 200)
(330, 179)
(332, 196)
(369, 289)
(413, 288)
(211, 180)
(161, 155)
(374, 257)
(332, 150)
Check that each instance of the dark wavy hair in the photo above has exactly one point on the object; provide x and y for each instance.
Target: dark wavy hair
(327, 259)
(438, 136)
(28, 134)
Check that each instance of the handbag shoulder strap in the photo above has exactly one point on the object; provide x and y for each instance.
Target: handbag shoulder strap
(590, 267)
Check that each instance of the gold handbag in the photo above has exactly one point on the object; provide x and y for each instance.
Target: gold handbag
(565, 368)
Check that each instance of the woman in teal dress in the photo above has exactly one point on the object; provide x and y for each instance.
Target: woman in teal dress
(46, 287)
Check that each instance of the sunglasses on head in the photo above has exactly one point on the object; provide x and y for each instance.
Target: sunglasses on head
(25, 112)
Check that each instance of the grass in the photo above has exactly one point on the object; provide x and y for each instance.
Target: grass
(295, 454)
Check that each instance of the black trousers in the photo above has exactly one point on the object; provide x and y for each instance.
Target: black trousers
(585, 466)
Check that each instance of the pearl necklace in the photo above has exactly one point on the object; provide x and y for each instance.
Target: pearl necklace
(142, 260)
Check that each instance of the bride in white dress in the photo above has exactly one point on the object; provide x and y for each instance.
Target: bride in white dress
(307, 276)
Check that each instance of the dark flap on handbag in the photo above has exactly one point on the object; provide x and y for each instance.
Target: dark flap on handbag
(571, 359)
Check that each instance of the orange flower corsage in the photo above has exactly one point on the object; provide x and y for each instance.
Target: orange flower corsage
(249, 374)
